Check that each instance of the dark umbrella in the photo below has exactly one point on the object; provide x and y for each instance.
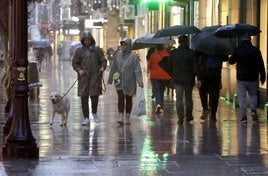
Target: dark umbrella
(147, 41)
(136, 45)
(176, 30)
(209, 44)
(234, 30)
(40, 44)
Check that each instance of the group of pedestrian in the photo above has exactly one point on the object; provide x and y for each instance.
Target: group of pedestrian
(185, 67)
(89, 62)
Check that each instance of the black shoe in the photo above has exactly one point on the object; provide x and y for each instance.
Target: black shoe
(244, 119)
(180, 122)
(189, 119)
(254, 116)
(204, 114)
(213, 118)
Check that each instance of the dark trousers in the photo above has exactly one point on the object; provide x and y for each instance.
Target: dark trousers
(124, 102)
(85, 106)
(209, 93)
(159, 86)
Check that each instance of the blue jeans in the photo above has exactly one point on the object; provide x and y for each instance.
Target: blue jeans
(159, 86)
(184, 99)
(244, 87)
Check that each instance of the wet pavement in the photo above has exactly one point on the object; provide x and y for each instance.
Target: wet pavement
(151, 145)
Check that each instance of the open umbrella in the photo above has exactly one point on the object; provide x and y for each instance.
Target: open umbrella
(210, 44)
(176, 30)
(234, 30)
(40, 44)
(147, 41)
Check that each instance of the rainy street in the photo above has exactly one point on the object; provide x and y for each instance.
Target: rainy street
(151, 145)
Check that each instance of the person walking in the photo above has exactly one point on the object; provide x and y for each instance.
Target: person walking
(148, 55)
(184, 69)
(209, 83)
(158, 76)
(128, 65)
(249, 69)
(89, 62)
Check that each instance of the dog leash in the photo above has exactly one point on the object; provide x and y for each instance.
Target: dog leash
(104, 86)
(70, 88)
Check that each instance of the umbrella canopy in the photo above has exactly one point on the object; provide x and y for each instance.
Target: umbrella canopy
(176, 30)
(234, 30)
(147, 41)
(76, 44)
(40, 44)
(210, 44)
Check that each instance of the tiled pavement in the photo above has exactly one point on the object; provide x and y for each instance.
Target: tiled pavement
(151, 145)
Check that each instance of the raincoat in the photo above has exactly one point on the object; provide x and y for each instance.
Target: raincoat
(90, 59)
(131, 73)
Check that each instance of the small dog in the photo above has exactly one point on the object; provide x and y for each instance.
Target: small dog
(60, 105)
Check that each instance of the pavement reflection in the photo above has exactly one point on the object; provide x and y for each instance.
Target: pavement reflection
(151, 145)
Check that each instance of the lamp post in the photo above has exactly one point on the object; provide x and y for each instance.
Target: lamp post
(19, 141)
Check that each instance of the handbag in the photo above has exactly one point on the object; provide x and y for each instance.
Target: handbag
(116, 74)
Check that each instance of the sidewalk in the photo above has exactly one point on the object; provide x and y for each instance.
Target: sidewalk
(151, 145)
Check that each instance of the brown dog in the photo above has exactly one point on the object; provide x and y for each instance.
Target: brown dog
(60, 105)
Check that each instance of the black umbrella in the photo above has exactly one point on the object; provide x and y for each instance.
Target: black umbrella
(234, 30)
(210, 44)
(176, 30)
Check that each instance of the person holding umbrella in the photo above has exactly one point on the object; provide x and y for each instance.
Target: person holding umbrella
(184, 69)
(209, 83)
(158, 76)
(249, 66)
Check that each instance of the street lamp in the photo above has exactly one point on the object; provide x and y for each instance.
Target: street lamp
(18, 140)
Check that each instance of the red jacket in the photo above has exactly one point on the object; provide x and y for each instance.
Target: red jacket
(155, 70)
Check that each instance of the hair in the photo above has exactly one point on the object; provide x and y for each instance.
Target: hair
(159, 47)
(183, 39)
(245, 36)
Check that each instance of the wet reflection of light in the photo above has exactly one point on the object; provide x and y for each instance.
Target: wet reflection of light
(147, 121)
(150, 161)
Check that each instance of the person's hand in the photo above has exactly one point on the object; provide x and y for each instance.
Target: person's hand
(262, 79)
(141, 85)
(81, 72)
(198, 84)
(101, 70)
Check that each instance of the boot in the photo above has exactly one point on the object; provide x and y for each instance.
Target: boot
(120, 118)
(127, 122)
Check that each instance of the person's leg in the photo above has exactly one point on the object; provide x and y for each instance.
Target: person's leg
(213, 102)
(94, 103)
(242, 95)
(252, 88)
(121, 106)
(157, 94)
(128, 108)
(189, 103)
(203, 93)
(179, 102)
(162, 87)
(85, 109)
(94, 107)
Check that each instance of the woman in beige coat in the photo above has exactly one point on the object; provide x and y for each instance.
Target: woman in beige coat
(127, 63)
(89, 62)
